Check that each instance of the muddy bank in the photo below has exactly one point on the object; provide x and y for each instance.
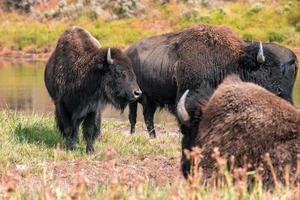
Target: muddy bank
(13, 55)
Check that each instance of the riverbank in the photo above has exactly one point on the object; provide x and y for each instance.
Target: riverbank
(35, 165)
(12, 55)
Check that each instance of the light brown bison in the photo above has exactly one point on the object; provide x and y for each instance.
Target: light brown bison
(81, 78)
(244, 119)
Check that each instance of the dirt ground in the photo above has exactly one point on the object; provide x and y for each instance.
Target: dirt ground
(68, 174)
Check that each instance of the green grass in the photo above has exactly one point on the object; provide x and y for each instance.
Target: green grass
(34, 138)
(29, 153)
(260, 21)
(38, 36)
(33, 142)
(267, 21)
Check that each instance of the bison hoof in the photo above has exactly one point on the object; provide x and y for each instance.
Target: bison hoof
(90, 149)
(70, 147)
(152, 135)
(132, 130)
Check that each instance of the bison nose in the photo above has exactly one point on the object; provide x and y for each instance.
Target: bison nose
(137, 94)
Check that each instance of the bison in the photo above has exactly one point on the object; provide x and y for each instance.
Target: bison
(199, 57)
(243, 120)
(81, 78)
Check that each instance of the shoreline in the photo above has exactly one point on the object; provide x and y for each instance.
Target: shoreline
(26, 58)
(12, 55)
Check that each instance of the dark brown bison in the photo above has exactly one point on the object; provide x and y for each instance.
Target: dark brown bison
(199, 57)
(81, 78)
(243, 120)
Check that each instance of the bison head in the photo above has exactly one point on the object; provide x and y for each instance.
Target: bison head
(120, 86)
(189, 113)
(271, 66)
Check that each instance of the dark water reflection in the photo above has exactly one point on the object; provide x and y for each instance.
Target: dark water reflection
(22, 89)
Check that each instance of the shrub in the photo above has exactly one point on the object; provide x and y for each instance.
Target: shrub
(127, 8)
(248, 36)
(189, 15)
(298, 27)
(293, 17)
(275, 36)
(22, 5)
(107, 9)
(256, 8)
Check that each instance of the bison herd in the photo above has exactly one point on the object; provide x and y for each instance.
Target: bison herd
(225, 92)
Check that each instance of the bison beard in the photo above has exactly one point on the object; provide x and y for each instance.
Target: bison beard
(198, 58)
(243, 119)
(81, 78)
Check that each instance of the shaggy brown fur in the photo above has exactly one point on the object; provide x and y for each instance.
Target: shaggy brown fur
(244, 119)
(203, 41)
(207, 53)
(81, 79)
(75, 55)
(198, 58)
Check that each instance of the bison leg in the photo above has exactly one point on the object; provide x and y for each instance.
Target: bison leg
(65, 125)
(62, 118)
(149, 109)
(73, 136)
(91, 129)
(132, 116)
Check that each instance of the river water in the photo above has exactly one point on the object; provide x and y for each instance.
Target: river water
(22, 89)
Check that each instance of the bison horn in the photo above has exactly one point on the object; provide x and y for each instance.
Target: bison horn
(109, 59)
(181, 110)
(260, 55)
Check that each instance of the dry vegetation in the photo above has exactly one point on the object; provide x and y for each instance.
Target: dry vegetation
(33, 165)
(37, 32)
(33, 161)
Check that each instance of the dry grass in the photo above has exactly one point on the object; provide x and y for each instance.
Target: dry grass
(33, 165)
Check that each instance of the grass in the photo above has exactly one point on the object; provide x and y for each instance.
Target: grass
(41, 37)
(33, 161)
(276, 21)
(259, 21)
(34, 166)
(35, 137)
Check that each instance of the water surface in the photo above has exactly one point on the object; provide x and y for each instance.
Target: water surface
(22, 89)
